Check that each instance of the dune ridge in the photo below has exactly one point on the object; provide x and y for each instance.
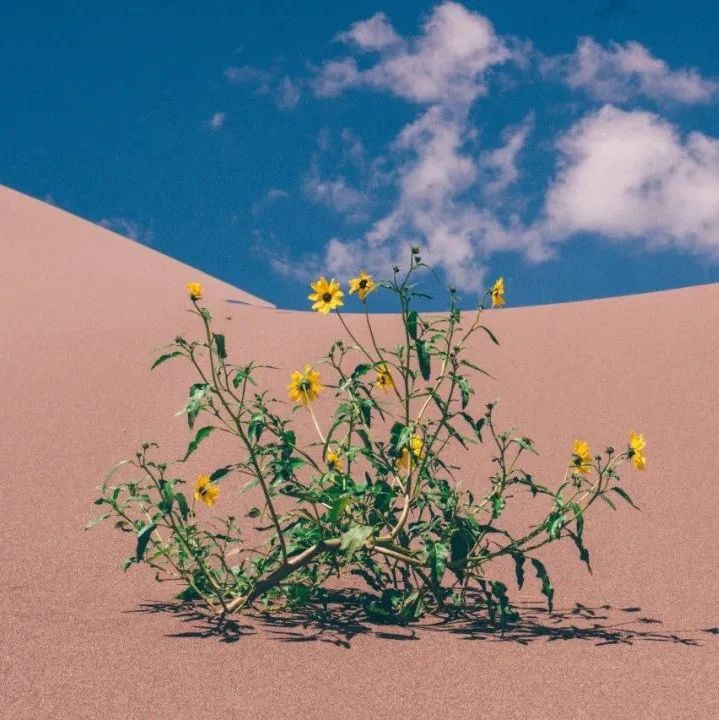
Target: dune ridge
(84, 314)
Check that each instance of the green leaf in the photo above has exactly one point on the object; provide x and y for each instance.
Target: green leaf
(412, 324)
(519, 559)
(608, 501)
(437, 555)
(143, 537)
(461, 542)
(220, 345)
(498, 504)
(492, 336)
(163, 358)
(168, 497)
(182, 504)
(525, 444)
(365, 439)
(623, 493)
(365, 408)
(187, 595)
(423, 358)
(547, 589)
(360, 370)
(255, 427)
(384, 494)
(221, 472)
(465, 389)
(97, 521)
(196, 402)
(202, 433)
(579, 517)
(399, 437)
(338, 508)
(583, 552)
(354, 538)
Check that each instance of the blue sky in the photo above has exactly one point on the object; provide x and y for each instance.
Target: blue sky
(571, 147)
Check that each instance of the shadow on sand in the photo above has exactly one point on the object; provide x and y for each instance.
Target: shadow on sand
(345, 617)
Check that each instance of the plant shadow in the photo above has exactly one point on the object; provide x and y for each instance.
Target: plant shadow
(344, 617)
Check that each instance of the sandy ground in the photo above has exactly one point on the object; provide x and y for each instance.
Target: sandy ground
(84, 314)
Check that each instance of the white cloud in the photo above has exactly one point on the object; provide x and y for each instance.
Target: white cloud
(631, 175)
(217, 121)
(287, 94)
(445, 64)
(431, 209)
(373, 34)
(284, 91)
(277, 194)
(621, 72)
(336, 194)
(502, 162)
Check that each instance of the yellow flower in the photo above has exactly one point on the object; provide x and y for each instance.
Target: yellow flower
(581, 457)
(334, 462)
(194, 289)
(384, 378)
(637, 443)
(498, 293)
(304, 386)
(326, 296)
(205, 490)
(416, 444)
(362, 285)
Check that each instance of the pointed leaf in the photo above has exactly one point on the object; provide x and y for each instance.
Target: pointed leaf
(163, 358)
(202, 433)
(623, 493)
(423, 358)
(412, 324)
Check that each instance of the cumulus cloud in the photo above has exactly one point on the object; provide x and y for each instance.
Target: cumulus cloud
(444, 68)
(502, 162)
(432, 209)
(619, 73)
(446, 63)
(337, 194)
(631, 175)
(373, 34)
(620, 175)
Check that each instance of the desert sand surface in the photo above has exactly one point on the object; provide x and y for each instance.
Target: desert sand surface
(85, 312)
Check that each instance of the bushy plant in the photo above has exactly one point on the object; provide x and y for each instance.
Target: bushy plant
(374, 495)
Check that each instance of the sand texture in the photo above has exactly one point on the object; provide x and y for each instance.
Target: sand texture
(85, 312)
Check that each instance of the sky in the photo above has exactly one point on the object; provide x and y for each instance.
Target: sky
(572, 148)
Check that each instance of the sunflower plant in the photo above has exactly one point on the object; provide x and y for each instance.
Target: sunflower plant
(373, 495)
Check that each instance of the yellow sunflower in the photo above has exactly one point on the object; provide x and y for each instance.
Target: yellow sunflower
(304, 386)
(206, 491)
(334, 462)
(581, 457)
(497, 293)
(194, 289)
(362, 285)
(637, 443)
(326, 296)
(384, 378)
(416, 444)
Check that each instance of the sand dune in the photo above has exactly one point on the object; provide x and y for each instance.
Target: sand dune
(84, 314)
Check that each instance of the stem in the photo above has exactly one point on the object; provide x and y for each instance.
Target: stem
(243, 437)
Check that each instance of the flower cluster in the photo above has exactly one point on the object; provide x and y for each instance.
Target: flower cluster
(582, 457)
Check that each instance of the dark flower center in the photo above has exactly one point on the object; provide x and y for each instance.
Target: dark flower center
(362, 284)
(327, 297)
